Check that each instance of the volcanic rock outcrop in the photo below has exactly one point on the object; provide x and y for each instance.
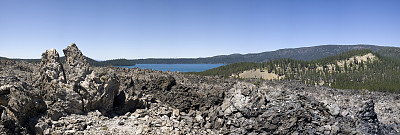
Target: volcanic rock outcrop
(57, 93)
(80, 89)
(19, 102)
(97, 88)
(51, 69)
(72, 97)
(77, 67)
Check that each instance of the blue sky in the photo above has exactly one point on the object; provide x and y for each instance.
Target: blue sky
(106, 29)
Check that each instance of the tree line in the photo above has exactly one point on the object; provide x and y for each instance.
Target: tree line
(379, 74)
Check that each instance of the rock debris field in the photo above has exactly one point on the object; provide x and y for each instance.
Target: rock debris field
(72, 97)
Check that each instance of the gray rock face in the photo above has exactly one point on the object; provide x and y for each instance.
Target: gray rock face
(77, 67)
(128, 98)
(64, 102)
(59, 96)
(25, 102)
(99, 90)
(19, 103)
(98, 87)
(51, 69)
(82, 90)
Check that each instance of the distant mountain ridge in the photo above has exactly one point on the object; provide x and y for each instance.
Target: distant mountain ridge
(303, 53)
(114, 62)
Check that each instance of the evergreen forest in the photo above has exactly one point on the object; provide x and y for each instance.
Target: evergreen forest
(343, 71)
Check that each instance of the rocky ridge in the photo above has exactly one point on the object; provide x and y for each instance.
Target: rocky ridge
(72, 97)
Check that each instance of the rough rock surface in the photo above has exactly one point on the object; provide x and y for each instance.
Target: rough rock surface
(19, 102)
(72, 97)
(77, 67)
(51, 69)
(60, 98)
(98, 90)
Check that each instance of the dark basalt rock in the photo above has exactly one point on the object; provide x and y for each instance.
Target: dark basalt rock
(99, 90)
(128, 98)
(369, 120)
(367, 112)
(19, 103)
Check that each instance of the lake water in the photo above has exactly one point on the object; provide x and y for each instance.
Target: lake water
(176, 67)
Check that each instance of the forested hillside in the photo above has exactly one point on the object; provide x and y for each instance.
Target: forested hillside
(357, 69)
(391, 52)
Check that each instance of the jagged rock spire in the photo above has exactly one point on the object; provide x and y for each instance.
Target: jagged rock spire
(367, 113)
(99, 95)
(51, 67)
(369, 123)
(76, 65)
(54, 86)
(74, 56)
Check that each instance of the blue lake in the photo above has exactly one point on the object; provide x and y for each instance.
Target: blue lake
(176, 67)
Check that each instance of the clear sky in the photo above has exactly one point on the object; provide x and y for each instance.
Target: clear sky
(109, 29)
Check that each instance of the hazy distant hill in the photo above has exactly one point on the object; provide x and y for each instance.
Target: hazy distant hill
(115, 62)
(303, 53)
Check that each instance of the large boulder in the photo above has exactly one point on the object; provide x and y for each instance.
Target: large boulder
(99, 90)
(128, 98)
(24, 102)
(19, 103)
